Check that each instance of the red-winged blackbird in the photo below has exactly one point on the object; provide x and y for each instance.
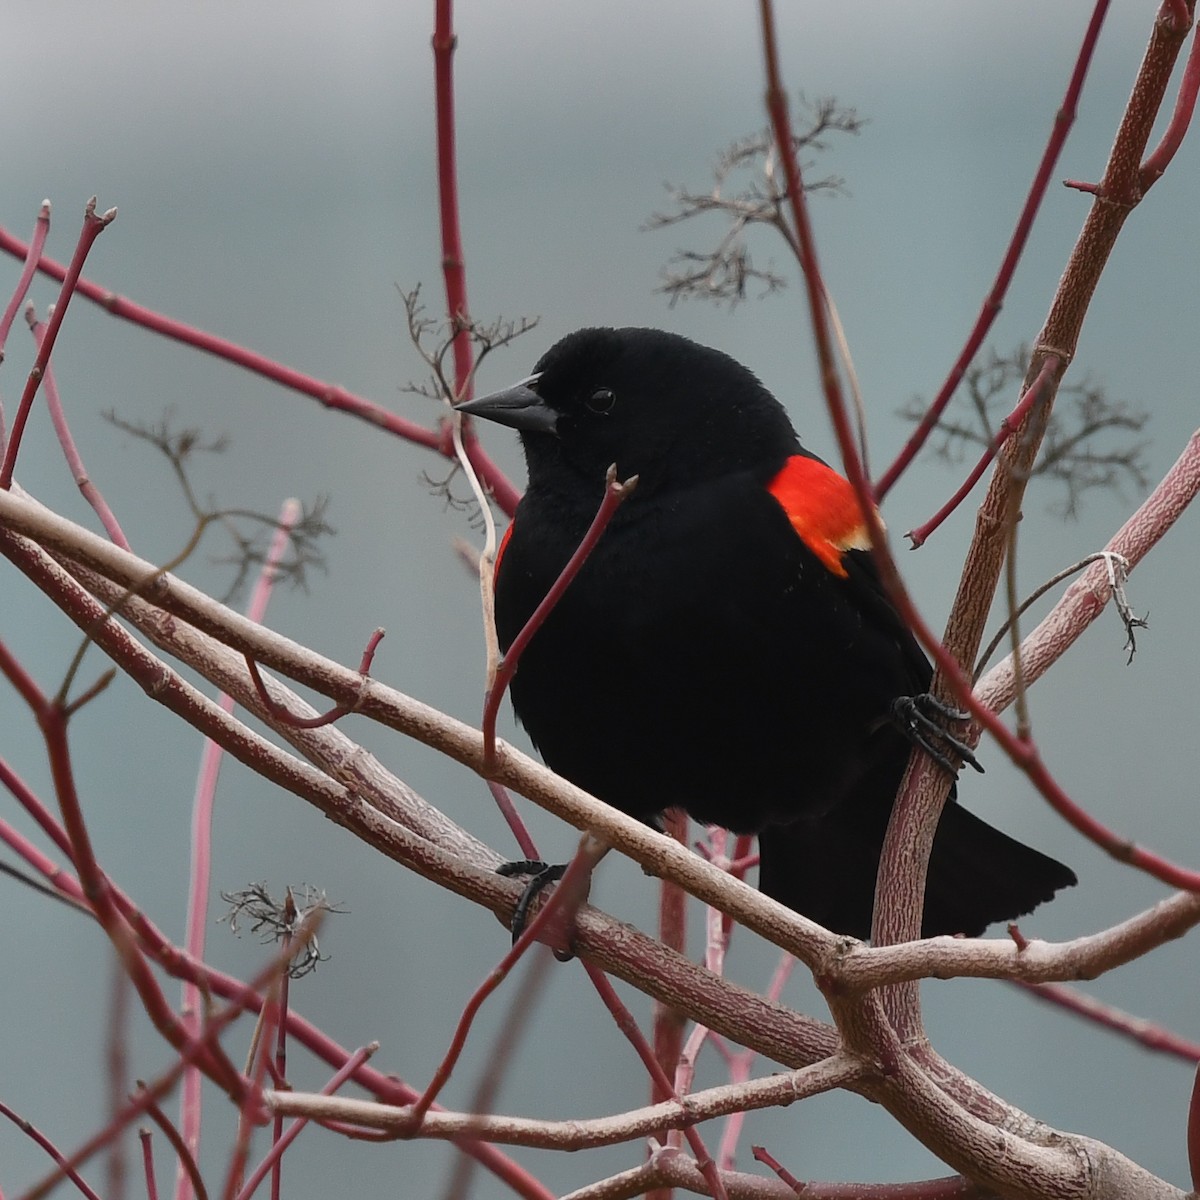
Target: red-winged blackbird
(728, 647)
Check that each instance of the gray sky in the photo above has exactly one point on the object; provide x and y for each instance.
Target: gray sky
(273, 166)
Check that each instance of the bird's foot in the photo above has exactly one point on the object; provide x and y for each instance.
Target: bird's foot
(920, 719)
(541, 875)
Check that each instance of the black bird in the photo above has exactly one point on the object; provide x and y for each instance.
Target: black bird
(728, 647)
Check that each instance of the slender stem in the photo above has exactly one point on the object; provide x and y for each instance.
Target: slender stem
(1063, 120)
(200, 873)
(93, 226)
(1029, 397)
(615, 494)
(32, 253)
(454, 270)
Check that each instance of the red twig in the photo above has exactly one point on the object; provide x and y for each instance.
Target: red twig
(338, 399)
(454, 267)
(336, 713)
(32, 253)
(628, 1026)
(1185, 105)
(572, 885)
(777, 110)
(614, 495)
(180, 965)
(52, 720)
(245, 998)
(1032, 395)
(31, 1131)
(1063, 120)
(454, 270)
(763, 1155)
(148, 1164)
(201, 865)
(294, 1130)
(1145, 1033)
(91, 493)
(93, 226)
(187, 1160)
(74, 459)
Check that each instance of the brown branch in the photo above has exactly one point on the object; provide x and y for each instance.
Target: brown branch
(580, 1134)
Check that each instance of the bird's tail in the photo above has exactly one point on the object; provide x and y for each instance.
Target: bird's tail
(825, 868)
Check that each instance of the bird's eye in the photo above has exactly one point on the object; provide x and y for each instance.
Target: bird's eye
(601, 401)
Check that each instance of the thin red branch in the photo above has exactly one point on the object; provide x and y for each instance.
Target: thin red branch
(994, 301)
(1025, 755)
(275, 1154)
(93, 226)
(151, 1093)
(1185, 105)
(187, 1159)
(280, 713)
(628, 1026)
(201, 843)
(338, 399)
(91, 493)
(454, 269)
(615, 494)
(777, 110)
(32, 253)
(387, 1088)
(52, 721)
(148, 1164)
(569, 886)
(1146, 1033)
(36, 1135)
(1032, 395)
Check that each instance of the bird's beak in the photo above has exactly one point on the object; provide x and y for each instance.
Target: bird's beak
(518, 407)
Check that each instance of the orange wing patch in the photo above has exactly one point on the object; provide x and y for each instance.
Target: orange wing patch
(500, 552)
(823, 510)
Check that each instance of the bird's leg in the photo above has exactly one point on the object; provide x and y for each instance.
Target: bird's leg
(920, 719)
(541, 875)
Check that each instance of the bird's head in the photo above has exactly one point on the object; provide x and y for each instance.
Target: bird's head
(657, 405)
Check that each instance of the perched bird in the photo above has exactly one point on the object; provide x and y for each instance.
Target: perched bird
(728, 647)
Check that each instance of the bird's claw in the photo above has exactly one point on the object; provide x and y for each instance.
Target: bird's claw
(541, 875)
(919, 719)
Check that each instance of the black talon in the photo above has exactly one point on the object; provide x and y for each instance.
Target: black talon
(541, 875)
(914, 715)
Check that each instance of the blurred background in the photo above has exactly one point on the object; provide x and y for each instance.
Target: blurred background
(273, 165)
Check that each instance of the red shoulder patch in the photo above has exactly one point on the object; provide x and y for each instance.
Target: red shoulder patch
(822, 508)
(500, 552)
